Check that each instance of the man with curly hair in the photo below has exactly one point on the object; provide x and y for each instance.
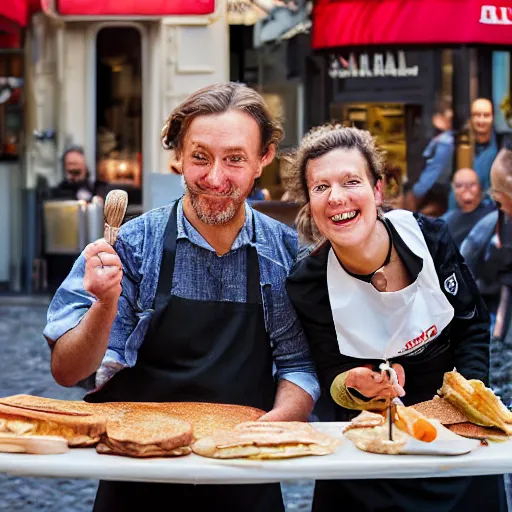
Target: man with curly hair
(190, 304)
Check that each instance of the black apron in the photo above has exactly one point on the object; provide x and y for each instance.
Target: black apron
(196, 351)
(454, 494)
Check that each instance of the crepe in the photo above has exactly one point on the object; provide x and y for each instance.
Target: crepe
(473, 431)
(138, 434)
(266, 440)
(376, 439)
(84, 430)
(478, 403)
(440, 409)
(415, 424)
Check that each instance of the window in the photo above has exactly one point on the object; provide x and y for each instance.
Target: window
(119, 109)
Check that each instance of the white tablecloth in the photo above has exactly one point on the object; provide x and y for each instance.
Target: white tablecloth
(348, 462)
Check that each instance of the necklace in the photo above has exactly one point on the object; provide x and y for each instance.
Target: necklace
(378, 277)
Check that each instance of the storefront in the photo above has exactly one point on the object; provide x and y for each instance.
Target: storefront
(104, 75)
(386, 63)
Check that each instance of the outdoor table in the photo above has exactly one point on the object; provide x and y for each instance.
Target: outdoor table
(346, 463)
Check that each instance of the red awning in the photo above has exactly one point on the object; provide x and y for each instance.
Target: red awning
(134, 7)
(14, 11)
(411, 22)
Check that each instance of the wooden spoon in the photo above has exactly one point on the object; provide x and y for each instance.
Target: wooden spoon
(40, 445)
(114, 211)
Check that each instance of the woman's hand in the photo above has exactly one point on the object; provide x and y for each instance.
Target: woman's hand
(376, 385)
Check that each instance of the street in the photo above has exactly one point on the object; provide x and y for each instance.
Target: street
(24, 368)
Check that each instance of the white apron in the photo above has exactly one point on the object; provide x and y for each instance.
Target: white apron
(382, 325)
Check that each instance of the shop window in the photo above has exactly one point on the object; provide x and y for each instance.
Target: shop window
(119, 110)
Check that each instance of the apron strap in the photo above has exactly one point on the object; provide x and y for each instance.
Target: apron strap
(164, 287)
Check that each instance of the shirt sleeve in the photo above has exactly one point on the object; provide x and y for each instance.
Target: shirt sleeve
(290, 349)
(71, 302)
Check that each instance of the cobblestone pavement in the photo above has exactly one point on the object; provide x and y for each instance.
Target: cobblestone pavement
(24, 368)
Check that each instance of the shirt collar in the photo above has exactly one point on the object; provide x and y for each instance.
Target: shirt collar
(188, 232)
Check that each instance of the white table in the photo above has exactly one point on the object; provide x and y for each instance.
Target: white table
(348, 462)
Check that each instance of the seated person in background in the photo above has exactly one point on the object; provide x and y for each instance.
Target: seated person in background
(77, 183)
(258, 193)
(468, 194)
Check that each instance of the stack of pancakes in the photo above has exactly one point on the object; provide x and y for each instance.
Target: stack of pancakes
(140, 429)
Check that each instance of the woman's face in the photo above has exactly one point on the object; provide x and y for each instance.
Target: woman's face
(343, 200)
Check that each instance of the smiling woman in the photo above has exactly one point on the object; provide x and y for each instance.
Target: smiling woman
(382, 288)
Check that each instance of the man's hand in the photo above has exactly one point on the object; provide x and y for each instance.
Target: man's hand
(375, 385)
(103, 272)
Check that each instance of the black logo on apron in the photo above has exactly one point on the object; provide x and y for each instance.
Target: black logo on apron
(451, 285)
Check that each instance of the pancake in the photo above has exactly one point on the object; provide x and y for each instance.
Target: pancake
(139, 434)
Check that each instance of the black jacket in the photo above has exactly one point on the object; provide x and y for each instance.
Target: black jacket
(464, 344)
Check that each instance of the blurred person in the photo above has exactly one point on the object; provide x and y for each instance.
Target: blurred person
(468, 195)
(486, 146)
(372, 282)
(190, 304)
(429, 194)
(258, 193)
(77, 183)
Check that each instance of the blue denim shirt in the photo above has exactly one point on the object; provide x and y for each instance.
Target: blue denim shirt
(140, 245)
(439, 161)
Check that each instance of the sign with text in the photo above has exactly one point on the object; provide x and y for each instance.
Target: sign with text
(365, 65)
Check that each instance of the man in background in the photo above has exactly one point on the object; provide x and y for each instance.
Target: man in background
(77, 184)
(486, 146)
(429, 194)
(468, 196)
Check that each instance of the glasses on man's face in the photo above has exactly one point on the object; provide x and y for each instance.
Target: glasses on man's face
(75, 173)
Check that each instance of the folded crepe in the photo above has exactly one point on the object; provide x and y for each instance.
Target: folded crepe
(139, 434)
(78, 430)
(375, 438)
(478, 403)
(266, 440)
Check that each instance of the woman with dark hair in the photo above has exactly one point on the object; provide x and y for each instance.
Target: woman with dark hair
(383, 288)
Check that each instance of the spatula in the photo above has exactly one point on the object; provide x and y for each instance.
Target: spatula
(40, 445)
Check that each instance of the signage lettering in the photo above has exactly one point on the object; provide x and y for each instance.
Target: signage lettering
(494, 15)
(422, 338)
(383, 66)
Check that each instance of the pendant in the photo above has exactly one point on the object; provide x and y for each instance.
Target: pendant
(379, 281)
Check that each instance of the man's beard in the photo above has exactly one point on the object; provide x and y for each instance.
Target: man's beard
(215, 212)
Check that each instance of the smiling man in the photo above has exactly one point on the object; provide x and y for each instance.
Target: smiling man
(203, 314)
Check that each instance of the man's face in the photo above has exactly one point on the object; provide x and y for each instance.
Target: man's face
(467, 190)
(75, 167)
(482, 118)
(221, 157)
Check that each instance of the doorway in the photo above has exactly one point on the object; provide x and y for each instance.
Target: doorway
(119, 110)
